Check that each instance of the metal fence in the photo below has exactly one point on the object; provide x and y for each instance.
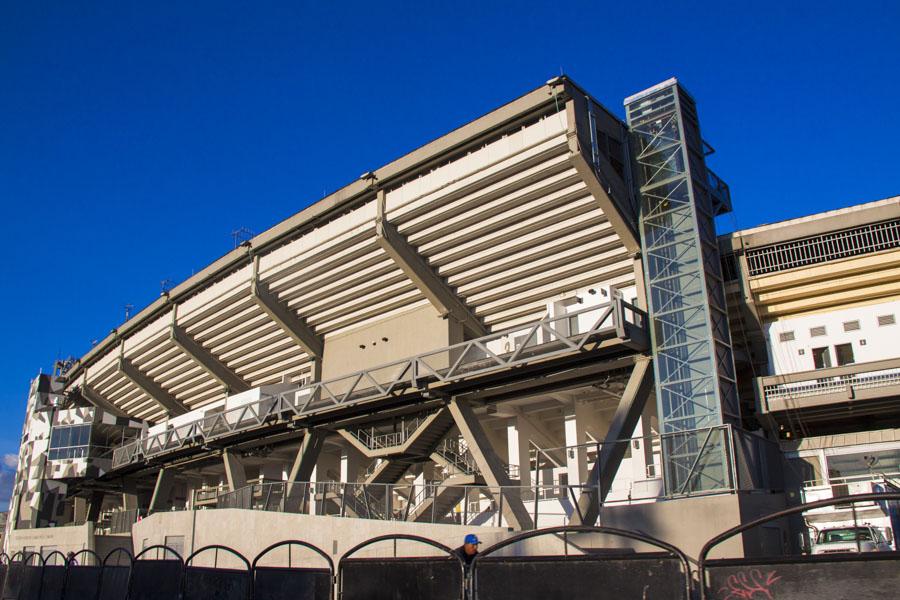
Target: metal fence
(746, 462)
(591, 562)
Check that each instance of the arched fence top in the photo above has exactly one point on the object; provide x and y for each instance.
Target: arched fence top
(159, 547)
(399, 536)
(4, 558)
(26, 558)
(216, 548)
(118, 551)
(47, 558)
(98, 561)
(567, 529)
(876, 497)
(277, 545)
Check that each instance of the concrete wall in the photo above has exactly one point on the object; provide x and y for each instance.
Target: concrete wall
(249, 532)
(409, 333)
(688, 523)
(870, 342)
(64, 539)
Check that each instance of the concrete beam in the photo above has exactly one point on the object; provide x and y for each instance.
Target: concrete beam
(630, 408)
(434, 287)
(489, 464)
(607, 188)
(162, 397)
(230, 380)
(98, 400)
(295, 327)
(162, 490)
(234, 471)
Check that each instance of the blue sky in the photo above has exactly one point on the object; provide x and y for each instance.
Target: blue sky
(134, 137)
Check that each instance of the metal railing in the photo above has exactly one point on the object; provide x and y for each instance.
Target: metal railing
(843, 380)
(373, 439)
(823, 248)
(749, 463)
(567, 334)
(457, 456)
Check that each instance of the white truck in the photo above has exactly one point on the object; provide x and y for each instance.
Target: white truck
(861, 538)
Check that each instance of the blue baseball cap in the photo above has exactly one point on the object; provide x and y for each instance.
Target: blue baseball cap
(472, 539)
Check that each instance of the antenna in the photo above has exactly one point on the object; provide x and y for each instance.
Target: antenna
(241, 235)
(128, 309)
(164, 286)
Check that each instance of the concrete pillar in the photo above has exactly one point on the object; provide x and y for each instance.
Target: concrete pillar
(351, 462)
(576, 435)
(79, 510)
(519, 450)
(235, 474)
(129, 501)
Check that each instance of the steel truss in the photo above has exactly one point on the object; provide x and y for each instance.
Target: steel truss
(614, 323)
(695, 376)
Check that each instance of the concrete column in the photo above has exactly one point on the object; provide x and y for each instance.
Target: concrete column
(351, 461)
(576, 435)
(79, 509)
(519, 450)
(129, 501)
(235, 474)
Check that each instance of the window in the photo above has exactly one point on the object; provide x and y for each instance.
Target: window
(885, 320)
(70, 441)
(817, 331)
(787, 336)
(844, 354)
(821, 358)
(851, 326)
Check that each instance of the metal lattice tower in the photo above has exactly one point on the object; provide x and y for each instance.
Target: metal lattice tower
(695, 375)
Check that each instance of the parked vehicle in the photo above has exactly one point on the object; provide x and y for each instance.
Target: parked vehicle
(863, 538)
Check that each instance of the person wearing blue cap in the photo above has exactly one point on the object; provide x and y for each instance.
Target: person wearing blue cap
(469, 549)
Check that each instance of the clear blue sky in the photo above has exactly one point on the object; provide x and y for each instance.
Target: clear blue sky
(134, 137)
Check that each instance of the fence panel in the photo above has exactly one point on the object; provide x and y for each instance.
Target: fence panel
(831, 576)
(820, 577)
(207, 583)
(13, 581)
(83, 582)
(31, 582)
(289, 582)
(216, 581)
(157, 578)
(610, 572)
(585, 577)
(401, 578)
(53, 582)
